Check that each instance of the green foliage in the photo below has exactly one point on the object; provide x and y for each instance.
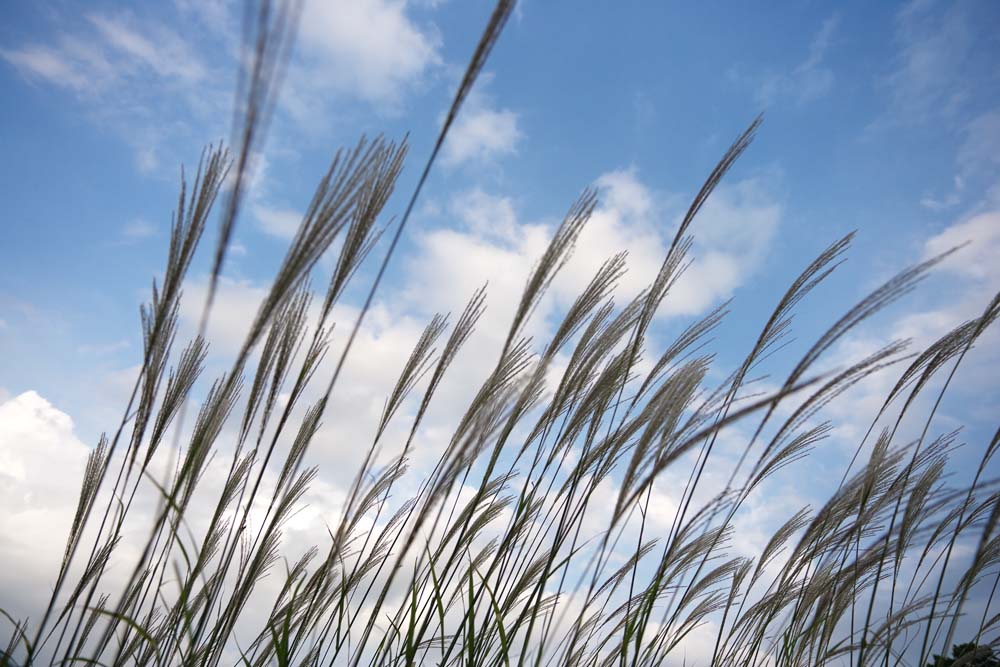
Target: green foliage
(968, 654)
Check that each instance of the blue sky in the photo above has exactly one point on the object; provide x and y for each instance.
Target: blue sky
(881, 117)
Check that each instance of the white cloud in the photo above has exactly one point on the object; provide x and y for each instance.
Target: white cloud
(732, 234)
(147, 158)
(944, 202)
(940, 48)
(481, 132)
(237, 249)
(933, 80)
(451, 263)
(379, 352)
(978, 259)
(278, 222)
(39, 500)
(371, 49)
(233, 310)
(139, 229)
(36, 495)
(810, 79)
(485, 214)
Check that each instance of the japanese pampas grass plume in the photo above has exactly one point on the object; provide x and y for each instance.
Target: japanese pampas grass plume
(487, 559)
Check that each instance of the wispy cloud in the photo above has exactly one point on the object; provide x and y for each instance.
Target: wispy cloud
(936, 80)
(808, 80)
(110, 51)
(103, 349)
(161, 50)
(139, 229)
(946, 201)
(928, 79)
(153, 83)
(51, 65)
(980, 148)
(137, 77)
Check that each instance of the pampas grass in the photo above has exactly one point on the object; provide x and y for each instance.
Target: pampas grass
(488, 561)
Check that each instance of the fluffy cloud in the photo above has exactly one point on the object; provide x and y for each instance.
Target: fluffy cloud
(486, 246)
(378, 354)
(732, 234)
(974, 279)
(372, 49)
(482, 132)
(977, 261)
(38, 497)
(279, 222)
(485, 214)
(39, 500)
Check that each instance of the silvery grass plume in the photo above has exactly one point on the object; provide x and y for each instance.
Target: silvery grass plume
(490, 557)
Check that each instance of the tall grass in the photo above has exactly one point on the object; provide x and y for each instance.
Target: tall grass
(491, 560)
